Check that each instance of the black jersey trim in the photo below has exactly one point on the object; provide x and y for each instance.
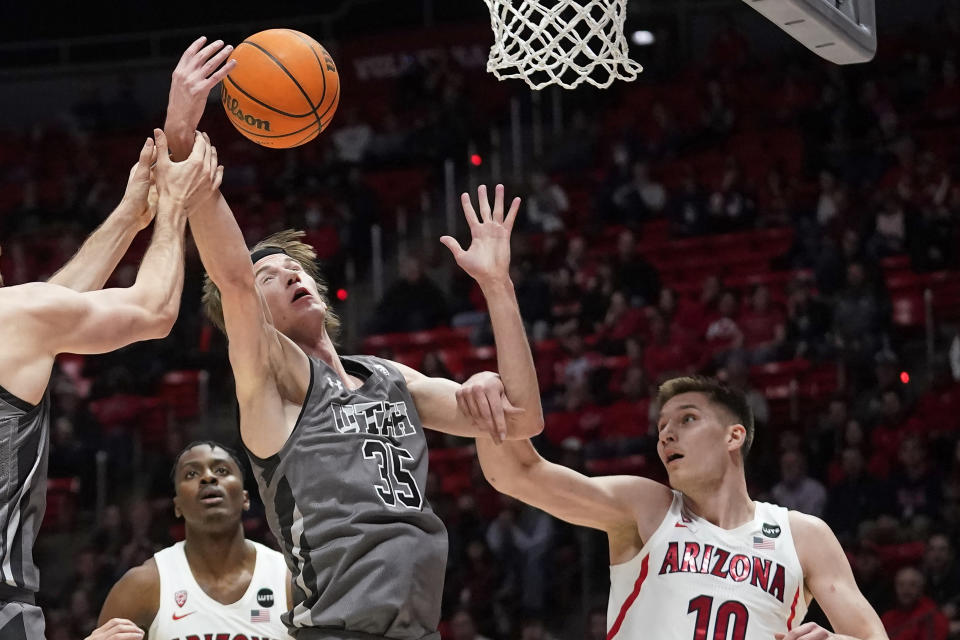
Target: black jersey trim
(271, 462)
(16, 401)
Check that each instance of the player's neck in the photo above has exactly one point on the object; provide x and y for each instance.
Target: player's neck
(725, 504)
(324, 349)
(215, 554)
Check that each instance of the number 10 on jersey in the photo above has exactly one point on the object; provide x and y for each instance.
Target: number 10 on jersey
(397, 486)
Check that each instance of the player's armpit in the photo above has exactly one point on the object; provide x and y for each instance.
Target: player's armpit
(136, 596)
(829, 578)
(610, 503)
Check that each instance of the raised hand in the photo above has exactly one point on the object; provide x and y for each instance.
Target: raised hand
(488, 257)
(137, 196)
(193, 181)
(200, 69)
(482, 397)
(116, 629)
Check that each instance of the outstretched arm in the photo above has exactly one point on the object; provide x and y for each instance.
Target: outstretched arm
(40, 320)
(488, 262)
(626, 507)
(827, 575)
(267, 367)
(100, 253)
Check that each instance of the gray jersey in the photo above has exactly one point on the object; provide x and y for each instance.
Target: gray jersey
(344, 496)
(24, 444)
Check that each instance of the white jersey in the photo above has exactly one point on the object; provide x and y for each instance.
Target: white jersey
(696, 581)
(186, 612)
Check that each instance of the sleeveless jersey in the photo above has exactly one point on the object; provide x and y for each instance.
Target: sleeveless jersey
(24, 446)
(186, 612)
(345, 498)
(696, 581)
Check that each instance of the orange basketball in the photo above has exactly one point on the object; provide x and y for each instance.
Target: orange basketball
(283, 91)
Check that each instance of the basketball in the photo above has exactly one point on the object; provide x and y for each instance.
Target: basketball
(284, 89)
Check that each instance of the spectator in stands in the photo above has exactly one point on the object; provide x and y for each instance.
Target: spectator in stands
(723, 334)
(731, 207)
(688, 208)
(717, 117)
(855, 498)
(942, 573)
(796, 490)
(914, 485)
(915, 616)
(641, 198)
(933, 239)
(520, 539)
(620, 322)
(763, 327)
(736, 374)
(665, 355)
(633, 274)
(890, 232)
(462, 626)
(412, 303)
(547, 204)
(808, 320)
(857, 317)
(824, 443)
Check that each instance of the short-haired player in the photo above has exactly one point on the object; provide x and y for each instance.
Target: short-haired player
(698, 559)
(215, 583)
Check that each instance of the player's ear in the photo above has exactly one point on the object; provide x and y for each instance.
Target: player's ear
(176, 507)
(736, 436)
(246, 500)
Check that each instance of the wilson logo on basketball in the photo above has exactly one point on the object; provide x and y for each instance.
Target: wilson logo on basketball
(232, 105)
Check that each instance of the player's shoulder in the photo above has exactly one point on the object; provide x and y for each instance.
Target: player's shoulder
(143, 576)
(31, 295)
(36, 301)
(806, 527)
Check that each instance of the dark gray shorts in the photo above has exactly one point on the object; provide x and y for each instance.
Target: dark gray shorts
(20, 621)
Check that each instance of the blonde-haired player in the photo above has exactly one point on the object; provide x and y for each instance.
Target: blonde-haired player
(701, 560)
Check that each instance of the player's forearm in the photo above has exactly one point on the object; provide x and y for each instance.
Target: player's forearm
(508, 467)
(160, 278)
(180, 137)
(222, 247)
(514, 359)
(100, 253)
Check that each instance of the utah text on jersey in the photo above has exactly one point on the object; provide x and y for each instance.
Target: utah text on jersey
(382, 418)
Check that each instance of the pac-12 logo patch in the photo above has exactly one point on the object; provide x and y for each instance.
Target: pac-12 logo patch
(265, 597)
(771, 530)
(180, 597)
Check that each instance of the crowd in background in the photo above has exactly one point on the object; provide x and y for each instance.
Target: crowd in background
(858, 166)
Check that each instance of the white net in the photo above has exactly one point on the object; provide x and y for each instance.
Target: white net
(563, 42)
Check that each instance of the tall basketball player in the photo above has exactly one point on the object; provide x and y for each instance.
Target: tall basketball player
(215, 583)
(701, 560)
(337, 443)
(42, 319)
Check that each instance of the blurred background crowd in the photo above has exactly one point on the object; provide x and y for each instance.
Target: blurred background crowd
(788, 226)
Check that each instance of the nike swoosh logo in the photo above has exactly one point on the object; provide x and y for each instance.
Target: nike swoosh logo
(680, 526)
(176, 617)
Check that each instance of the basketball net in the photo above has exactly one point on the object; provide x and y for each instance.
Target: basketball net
(562, 42)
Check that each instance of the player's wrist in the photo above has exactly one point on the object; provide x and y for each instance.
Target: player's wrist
(495, 284)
